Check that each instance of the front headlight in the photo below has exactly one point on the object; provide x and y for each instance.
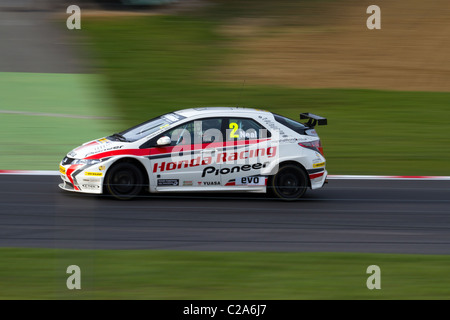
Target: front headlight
(86, 161)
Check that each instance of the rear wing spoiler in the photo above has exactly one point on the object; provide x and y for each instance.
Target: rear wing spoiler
(313, 120)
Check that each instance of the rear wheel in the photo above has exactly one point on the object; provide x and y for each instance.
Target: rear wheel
(289, 183)
(124, 181)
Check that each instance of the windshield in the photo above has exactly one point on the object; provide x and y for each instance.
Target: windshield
(151, 126)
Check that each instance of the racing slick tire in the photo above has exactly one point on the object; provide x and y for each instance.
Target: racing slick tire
(124, 181)
(289, 183)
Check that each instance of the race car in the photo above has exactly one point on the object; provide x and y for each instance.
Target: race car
(211, 149)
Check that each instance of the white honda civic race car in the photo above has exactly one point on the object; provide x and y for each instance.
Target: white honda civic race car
(214, 149)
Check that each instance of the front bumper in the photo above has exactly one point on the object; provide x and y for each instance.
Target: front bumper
(67, 186)
(82, 178)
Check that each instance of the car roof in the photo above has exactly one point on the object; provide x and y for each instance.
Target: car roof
(219, 111)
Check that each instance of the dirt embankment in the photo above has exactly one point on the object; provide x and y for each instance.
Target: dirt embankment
(333, 48)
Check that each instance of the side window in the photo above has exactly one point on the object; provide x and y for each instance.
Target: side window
(196, 132)
(211, 130)
(181, 135)
(245, 129)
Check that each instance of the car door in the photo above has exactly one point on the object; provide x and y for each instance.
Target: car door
(180, 166)
(247, 150)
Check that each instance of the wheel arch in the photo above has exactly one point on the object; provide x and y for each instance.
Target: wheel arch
(295, 163)
(135, 162)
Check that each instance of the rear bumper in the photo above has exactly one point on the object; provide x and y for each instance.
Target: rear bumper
(318, 179)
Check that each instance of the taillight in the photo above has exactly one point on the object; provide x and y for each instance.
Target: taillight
(313, 145)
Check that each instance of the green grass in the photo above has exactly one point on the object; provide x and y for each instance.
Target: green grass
(42, 135)
(163, 63)
(169, 275)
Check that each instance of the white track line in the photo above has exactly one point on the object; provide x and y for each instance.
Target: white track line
(30, 172)
(331, 177)
(59, 115)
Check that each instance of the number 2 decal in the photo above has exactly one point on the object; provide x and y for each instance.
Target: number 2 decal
(235, 127)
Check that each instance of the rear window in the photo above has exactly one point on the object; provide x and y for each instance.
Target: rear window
(291, 124)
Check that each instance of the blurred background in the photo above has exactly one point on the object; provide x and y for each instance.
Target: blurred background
(385, 92)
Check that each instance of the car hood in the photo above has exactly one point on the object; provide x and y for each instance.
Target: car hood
(95, 147)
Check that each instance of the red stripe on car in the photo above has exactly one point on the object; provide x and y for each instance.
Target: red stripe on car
(167, 150)
(132, 152)
(86, 145)
(69, 172)
(202, 146)
(316, 175)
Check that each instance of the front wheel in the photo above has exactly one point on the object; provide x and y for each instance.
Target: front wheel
(289, 183)
(124, 181)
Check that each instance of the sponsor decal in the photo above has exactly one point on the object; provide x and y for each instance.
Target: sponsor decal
(289, 140)
(101, 168)
(187, 183)
(172, 117)
(62, 169)
(95, 180)
(168, 182)
(211, 183)
(199, 183)
(239, 133)
(245, 167)
(222, 157)
(98, 174)
(251, 181)
(90, 186)
(102, 149)
(272, 125)
(104, 140)
(167, 166)
(321, 164)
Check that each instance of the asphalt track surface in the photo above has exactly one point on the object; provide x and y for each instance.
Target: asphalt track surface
(345, 216)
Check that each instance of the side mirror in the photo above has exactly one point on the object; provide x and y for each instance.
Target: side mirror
(163, 141)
